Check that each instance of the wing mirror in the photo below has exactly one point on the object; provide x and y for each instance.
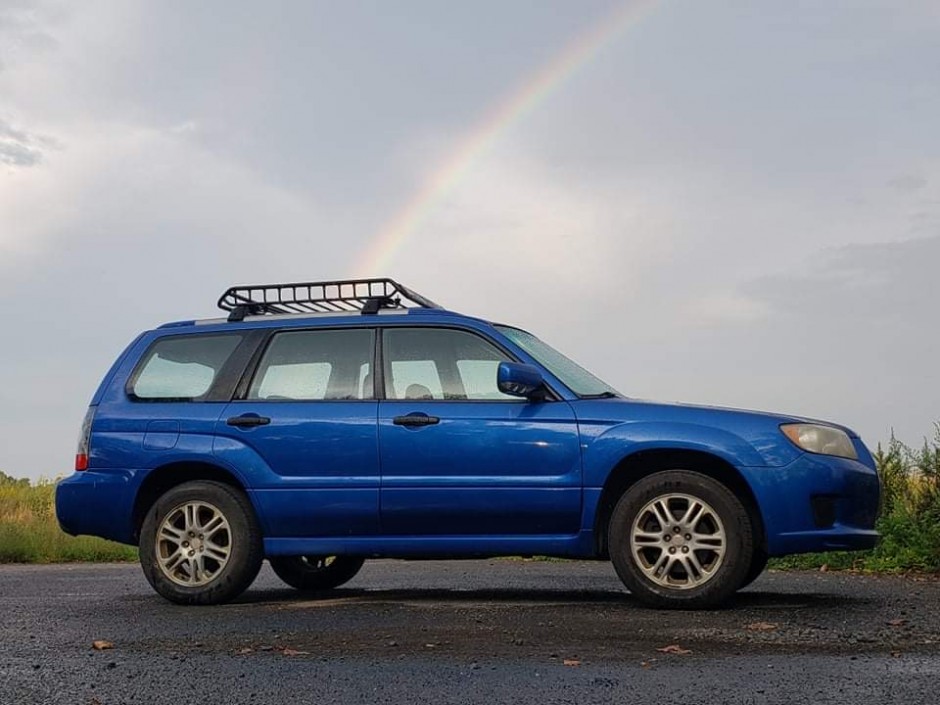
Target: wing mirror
(520, 380)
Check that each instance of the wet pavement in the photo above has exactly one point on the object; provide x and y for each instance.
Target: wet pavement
(464, 632)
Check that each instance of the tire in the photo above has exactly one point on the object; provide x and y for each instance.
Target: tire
(313, 573)
(758, 563)
(200, 544)
(673, 561)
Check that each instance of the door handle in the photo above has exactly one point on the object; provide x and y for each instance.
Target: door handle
(416, 419)
(248, 420)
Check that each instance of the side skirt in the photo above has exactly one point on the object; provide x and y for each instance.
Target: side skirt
(571, 546)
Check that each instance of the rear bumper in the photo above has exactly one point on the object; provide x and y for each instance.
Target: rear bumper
(96, 504)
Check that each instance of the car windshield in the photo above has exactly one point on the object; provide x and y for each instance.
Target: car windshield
(572, 375)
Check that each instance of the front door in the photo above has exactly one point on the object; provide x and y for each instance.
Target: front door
(461, 458)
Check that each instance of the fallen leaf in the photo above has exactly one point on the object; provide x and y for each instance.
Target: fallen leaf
(101, 645)
(674, 649)
(824, 568)
(896, 654)
(761, 627)
(294, 652)
(243, 652)
(896, 622)
(645, 664)
(571, 662)
(430, 646)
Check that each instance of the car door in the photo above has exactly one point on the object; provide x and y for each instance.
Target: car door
(307, 419)
(460, 457)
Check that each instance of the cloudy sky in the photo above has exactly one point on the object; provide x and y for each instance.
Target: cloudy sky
(733, 203)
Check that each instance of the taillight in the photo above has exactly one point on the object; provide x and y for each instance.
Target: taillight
(84, 441)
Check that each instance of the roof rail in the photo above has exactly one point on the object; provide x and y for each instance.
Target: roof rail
(366, 296)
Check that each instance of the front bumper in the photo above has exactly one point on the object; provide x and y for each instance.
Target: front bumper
(96, 504)
(818, 503)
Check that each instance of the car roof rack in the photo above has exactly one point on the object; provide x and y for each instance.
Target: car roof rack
(365, 296)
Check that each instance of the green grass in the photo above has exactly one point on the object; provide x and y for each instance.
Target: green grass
(29, 532)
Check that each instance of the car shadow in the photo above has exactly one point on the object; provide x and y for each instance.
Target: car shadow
(529, 597)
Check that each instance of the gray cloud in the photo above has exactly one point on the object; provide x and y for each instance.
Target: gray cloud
(19, 148)
(908, 182)
(888, 282)
(24, 26)
(854, 337)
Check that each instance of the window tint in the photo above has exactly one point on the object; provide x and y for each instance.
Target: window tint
(440, 363)
(316, 365)
(183, 367)
(416, 379)
(575, 377)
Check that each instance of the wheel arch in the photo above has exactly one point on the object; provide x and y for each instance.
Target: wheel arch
(164, 478)
(636, 466)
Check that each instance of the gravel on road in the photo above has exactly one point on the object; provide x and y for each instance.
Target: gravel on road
(464, 632)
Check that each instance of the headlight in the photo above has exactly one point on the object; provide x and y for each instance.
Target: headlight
(824, 440)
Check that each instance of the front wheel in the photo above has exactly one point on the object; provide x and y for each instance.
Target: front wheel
(681, 540)
(758, 564)
(313, 573)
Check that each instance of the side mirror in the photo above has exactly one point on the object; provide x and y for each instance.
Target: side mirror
(519, 380)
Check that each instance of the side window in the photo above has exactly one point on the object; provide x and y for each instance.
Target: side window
(311, 365)
(183, 368)
(440, 363)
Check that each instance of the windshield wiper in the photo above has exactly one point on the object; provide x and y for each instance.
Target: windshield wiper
(601, 395)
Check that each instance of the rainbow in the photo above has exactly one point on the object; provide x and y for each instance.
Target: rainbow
(579, 52)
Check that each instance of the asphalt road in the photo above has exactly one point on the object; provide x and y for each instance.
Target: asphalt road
(466, 631)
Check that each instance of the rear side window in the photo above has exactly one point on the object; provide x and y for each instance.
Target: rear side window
(183, 368)
(316, 365)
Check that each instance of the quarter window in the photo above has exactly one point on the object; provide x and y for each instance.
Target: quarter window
(183, 368)
(440, 363)
(325, 365)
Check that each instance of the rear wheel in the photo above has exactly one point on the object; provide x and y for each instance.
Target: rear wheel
(200, 544)
(681, 540)
(312, 573)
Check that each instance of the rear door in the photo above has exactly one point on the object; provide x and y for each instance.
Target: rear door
(309, 414)
(460, 457)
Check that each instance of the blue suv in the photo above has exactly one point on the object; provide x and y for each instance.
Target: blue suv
(320, 424)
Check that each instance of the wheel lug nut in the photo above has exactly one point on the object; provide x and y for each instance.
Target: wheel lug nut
(667, 537)
(685, 549)
(192, 553)
(185, 544)
(676, 529)
(688, 537)
(672, 549)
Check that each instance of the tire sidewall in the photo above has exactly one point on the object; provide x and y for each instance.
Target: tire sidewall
(246, 549)
(738, 542)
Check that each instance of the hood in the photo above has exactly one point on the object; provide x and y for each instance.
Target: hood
(758, 430)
